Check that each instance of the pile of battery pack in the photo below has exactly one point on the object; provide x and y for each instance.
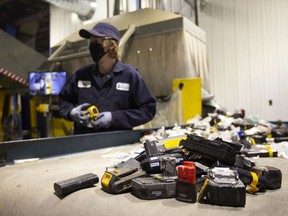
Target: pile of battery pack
(208, 162)
(195, 169)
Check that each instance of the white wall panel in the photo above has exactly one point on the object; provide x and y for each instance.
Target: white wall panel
(247, 54)
(62, 23)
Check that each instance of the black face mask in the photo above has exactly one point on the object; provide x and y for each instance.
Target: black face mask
(96, 51)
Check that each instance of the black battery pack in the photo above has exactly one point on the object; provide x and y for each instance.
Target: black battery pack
(68, 186)
(223, 187)
(152, 165)
(149, 188)
(185, 191)
(217, 150)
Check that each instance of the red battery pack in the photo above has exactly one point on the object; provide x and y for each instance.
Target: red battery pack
(186, 172)
(185, 184)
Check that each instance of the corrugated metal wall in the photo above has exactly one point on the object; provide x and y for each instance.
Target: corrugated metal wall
(247, 42)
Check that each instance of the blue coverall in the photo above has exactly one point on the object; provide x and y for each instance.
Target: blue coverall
(123, 92)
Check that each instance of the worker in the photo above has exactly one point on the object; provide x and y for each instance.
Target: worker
(116, 89)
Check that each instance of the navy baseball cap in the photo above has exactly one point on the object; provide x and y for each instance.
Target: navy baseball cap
(101, 29)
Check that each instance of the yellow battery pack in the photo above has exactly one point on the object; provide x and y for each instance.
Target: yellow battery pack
(94, 112)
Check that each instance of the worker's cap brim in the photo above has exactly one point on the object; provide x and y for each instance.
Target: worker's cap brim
(101, 30)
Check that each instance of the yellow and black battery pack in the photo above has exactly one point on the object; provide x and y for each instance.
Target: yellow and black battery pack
(260, 152)
(254, 182)
(150, 188)
(119, 180)
(93, 111)
(223, 187)
(272, 175)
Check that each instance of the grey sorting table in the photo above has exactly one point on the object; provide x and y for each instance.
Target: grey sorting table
(27, 189)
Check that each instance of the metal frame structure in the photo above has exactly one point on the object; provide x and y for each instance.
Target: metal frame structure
(53, 146)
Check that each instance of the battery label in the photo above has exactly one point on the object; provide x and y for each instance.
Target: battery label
(156, 193)
(155, 164)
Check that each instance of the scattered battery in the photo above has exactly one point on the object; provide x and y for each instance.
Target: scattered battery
(68, 186)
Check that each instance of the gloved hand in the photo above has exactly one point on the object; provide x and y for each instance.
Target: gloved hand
(80, 113)
(103, 120)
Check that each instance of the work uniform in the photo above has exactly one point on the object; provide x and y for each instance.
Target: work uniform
(122, 92)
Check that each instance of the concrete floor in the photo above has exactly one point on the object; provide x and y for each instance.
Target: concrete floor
(27, 190)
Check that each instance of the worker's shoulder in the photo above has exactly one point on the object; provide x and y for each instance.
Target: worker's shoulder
(85, 68)
(127, 68)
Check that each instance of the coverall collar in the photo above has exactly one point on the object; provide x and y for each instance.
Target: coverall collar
(118, 66)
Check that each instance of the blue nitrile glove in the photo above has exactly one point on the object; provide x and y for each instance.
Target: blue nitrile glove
(80, 113)
(103, 120)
